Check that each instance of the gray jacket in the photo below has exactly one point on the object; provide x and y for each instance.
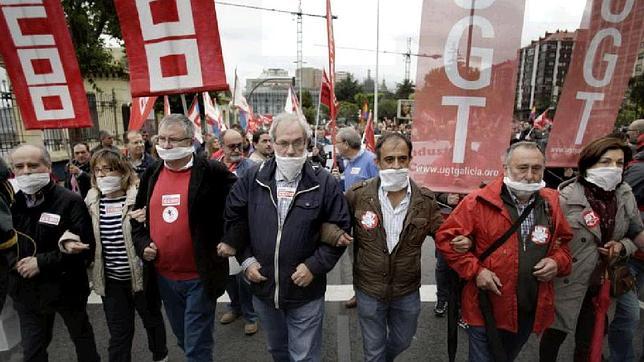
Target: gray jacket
(136, 266)
(570, 290)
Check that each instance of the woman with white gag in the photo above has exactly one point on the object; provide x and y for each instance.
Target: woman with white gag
(603, 214)
(118, 273)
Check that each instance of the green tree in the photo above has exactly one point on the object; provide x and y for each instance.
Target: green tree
(348, 111)
(387, 108)
(346, 89)
(307, 99)
(90, 21)
(404, 89)
(633, 105)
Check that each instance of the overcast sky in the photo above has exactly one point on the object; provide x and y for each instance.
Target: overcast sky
(253, 39)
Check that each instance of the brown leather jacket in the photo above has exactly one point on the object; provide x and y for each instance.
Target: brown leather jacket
(376, 272)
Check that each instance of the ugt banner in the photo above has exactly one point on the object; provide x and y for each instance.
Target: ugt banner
(465, 91)
(41, 63)
(172, 46)
(601, 65)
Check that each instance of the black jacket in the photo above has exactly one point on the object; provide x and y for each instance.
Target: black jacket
(634, 176)
(84, 179)
(210, 183)
(252, 229)
(63, 278)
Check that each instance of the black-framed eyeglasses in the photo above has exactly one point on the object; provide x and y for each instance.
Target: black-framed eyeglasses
(173, 141)
(235, 146)
(297, 144)
(105, 170)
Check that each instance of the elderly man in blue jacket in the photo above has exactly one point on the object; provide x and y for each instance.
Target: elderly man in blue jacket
(273, 218)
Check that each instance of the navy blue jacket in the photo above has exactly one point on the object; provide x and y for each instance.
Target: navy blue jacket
(251, 227)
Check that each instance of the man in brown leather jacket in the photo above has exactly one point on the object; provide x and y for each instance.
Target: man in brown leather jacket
(391, 218)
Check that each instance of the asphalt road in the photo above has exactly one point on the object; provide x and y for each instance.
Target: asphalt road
(342, 337)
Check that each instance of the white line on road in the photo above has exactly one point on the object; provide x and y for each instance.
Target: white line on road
(334, 293)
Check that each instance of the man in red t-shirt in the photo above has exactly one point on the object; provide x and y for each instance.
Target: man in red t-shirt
(184, 198)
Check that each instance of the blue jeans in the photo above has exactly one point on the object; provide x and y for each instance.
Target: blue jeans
(294, 334)
(191, 315)
(512, 342)
(623, 327)
(241, 299)
(387, 327)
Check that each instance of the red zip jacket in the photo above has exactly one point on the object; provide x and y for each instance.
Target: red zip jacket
(483, 217)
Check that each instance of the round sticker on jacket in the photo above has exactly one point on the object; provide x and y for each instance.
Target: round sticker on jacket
(170, 214)
(591, 219)
(540, 235)
(369, 220)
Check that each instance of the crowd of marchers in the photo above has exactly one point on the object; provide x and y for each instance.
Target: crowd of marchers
(171, 223)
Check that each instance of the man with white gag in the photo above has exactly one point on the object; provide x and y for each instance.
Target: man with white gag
(273, 219)
(184, 199)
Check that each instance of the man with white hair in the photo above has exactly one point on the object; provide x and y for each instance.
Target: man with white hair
(184, 198)
(282, 255)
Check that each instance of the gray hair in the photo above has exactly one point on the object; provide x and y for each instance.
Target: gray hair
(522, 144)
(350, 136)
(180, 119)
(44, 154)
(306, 129)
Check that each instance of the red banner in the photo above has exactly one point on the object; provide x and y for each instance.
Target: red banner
(172, 46)
(139, 112)
(600, 68)
(331, 44)
(465, 91)
(41, 63)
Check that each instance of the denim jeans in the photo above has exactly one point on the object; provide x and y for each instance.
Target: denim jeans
(294, 334)
(512, 342)
(387, 327)
(442, 278)
(623, 327)
(191, 315)
(241, 299)
(119, 304)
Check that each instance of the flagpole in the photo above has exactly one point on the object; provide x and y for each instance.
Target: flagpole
(375, 88)
(184, 104)
(317, 118)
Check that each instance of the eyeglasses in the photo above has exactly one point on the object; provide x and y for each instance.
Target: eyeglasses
(297, 144)
(173, 141)
(104, 170)
(235, 146)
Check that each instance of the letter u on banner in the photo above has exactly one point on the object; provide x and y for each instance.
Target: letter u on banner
(172, 46)
(42, 66)
(600, 68)
(465, 91)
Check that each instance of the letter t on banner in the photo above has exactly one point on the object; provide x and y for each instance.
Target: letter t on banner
(600, 68)
(463, 102)
(172, 46)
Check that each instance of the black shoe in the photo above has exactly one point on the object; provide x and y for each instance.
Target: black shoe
(440, 308)
(462, 324)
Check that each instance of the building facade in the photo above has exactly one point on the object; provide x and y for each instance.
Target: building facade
(542, 69)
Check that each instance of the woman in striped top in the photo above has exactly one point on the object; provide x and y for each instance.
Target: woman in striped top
(118, 273)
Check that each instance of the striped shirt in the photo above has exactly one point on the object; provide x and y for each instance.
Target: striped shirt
(115, 260)
(393, 218)
(285, 194)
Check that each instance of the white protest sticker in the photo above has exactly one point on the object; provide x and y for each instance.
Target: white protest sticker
(285, 192)
(51, 219)
(170, 214)
(171, 200)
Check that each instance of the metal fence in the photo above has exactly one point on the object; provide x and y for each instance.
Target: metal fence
(107, 113)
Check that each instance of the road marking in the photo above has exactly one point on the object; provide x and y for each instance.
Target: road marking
(344, 341)
(334, 293)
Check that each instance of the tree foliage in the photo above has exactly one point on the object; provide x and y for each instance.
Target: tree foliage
(404, 89)
(633, 105)
(90, 22)
(346, 89)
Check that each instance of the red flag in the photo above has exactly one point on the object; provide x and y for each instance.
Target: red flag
(369, 138)
(166, 106)
(331, 45)
(542, 121)
(172, 46)
(463, 104)
(41, 63)
(602, 62)
(195, 117)
(325, 90)
(139, 111)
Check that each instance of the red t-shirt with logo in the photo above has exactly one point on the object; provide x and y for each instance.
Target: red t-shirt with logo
(170, 226)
